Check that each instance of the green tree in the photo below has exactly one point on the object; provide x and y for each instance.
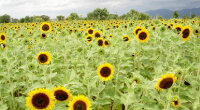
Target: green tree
(159, 17)
(113, 16)
(73, 16)
(60, 17)
(98, 14)
(175, 14)
(5, 18)
(22, 20)
(185, 17)
(193, 15)
(27, 19)
(45, 17)
(144, 16)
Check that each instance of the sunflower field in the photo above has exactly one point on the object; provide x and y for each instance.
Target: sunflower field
(100, 65)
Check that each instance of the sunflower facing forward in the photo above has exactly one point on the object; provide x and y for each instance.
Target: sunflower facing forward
(105, 71)
(186, 33)
(166, 81)
(40, 99)
(44, 58)
(62, 94)
(176, 103)
(2, 37)
(143, 36)
(90, 31)
(80, 102)
(45, 27)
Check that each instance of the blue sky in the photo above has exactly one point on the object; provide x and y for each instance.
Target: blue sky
(21, 8)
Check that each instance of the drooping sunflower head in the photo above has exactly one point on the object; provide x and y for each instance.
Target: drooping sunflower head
(166, 81)
(143, 36)
(126, 38)
(90, 31)
(44, 58)
(62, 94)
(3, 45)
(97, 34)
(176, 103)
(2, 37)
(106, 71)
(89, 38)
(80, 102)
(45, 27)
(110, 35)
(186, 33)
(100, 42)
(40, 99)
(137, 30)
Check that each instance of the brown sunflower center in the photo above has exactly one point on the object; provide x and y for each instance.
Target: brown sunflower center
(186, 33)
(142, 36)
(106, 43)
(80, 105)
(4, 45)
(97, 35)
(43, 58)
(40, 101)
(137, 31)
(175, 102)
(196, 31)
(105, 71)
(45, 27)
(44, 35)
(61, 95)
(3, 37)
(166, 83)
(178, 29)
(100, 42)
(126, 39)
(90, 31)
(89, 39)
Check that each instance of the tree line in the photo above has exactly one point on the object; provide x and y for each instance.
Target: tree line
(97, 14)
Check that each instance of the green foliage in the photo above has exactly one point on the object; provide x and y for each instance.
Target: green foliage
(175, 14)
(98, 14)
(73, 16)
(159, 17)
(60, 17)
(5, 18)
(185, 17)
(135, 15)
(193, 15)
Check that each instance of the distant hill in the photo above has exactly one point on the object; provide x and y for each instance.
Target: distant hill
(168, 13)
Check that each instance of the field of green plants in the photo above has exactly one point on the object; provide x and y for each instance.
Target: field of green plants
(100, 65)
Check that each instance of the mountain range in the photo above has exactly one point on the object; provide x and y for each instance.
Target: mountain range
(166, 13)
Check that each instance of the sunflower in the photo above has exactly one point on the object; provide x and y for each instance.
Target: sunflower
(45, 27)
(97, 34)
(3, 45)
(166, 81)
(126, 38)
(186, 33)
(44, 58)
(106, 42)
(2, 37)
(176, 103)
(40, 99)
(62, 94)
(143, 36)
(106, 71)
(88, 38)
(100, 42)
(80, 102)
(90, 31)
(136, 30)
(43, 35)
(196, 31)
(110, 35)
(178, 28)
